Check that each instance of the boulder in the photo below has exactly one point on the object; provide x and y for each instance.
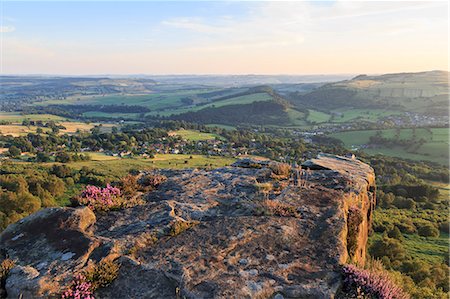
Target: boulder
(209, 234)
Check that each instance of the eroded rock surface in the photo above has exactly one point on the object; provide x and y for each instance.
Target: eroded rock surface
(229, 247)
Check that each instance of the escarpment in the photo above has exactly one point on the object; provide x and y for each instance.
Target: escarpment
(253, 230)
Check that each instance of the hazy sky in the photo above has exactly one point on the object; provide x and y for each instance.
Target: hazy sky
(307, 37)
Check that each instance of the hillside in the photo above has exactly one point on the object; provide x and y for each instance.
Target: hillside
(425, 92)
(257, 106)
(206, 234)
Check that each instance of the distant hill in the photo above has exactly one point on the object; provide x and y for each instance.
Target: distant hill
(424, 92)
(263, 110)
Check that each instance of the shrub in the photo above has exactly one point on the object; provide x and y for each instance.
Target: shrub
(388, 247)
(179, 226)
(404, 203)
(428, 230)
(369, 284)
(5, 266)
(143, 241)
(153, 180)
(79, 289)
(14, 151)
(100, 199)
(129, 185)
(276, 208)
(395, 233)
(444, 227)
(264, 187)
(354, 219)
(102, 274)
(281, 170)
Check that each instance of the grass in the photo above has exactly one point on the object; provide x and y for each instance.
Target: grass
(430, 250)
(18, 130)
(193, 135)
(247, 99)
(225, 127)
(111, 115)
(72, 127)
(119, 167)
(318, 117)
(346, 115)
(17, 117)
(435, 148)
(296, 118)
(163, 100)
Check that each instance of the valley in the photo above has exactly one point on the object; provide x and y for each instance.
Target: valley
(59, 136)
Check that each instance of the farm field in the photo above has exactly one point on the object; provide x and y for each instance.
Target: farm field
(16, 130)
(193, 135)
(19, 130)
(17, 117)
(111, 115)
(119, 167)
(169, 99)
(318, 117)
(240, 100)
(346, 115)
(225, 127)
(435, 148)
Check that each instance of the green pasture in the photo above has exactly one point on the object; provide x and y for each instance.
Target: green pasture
(435, 148)
(152, 101)
(317, 116)
(119, 167)
(17, 117)
(346, 115)
(194, 135)
(240, 100)
(430, 250)
(111, 115)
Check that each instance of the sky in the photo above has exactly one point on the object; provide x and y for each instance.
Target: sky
(251, 37)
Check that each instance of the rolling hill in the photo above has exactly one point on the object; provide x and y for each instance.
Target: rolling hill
(424, 92)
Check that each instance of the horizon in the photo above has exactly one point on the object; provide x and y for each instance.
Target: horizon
(223, 38)
(212, 74)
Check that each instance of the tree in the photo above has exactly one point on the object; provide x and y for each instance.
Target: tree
(14, 151)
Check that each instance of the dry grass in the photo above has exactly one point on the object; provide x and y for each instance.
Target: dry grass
(280, 170)
(144, 241)
(18, 130)
(264, 187)
(275, 208)
(5, 266)
(179, 226)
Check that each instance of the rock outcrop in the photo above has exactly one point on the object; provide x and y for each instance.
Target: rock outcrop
(208, 234)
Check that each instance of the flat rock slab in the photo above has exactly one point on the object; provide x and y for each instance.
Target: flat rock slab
(232, 247)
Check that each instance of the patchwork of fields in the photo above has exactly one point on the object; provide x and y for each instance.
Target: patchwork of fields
(15, 128)
(434, 147)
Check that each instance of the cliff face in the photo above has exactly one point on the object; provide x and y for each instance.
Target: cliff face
(245, 231)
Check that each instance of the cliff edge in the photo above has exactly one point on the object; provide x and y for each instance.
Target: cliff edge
(256, 229)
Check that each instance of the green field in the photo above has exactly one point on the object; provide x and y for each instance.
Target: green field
(111, 115)
(431, 250)
(119, 167)
(435, 148)
(152, 101)
(193, 135)
(317, 116)
(348, 115)
(225, 127)
(17, 117)
(239, 100)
